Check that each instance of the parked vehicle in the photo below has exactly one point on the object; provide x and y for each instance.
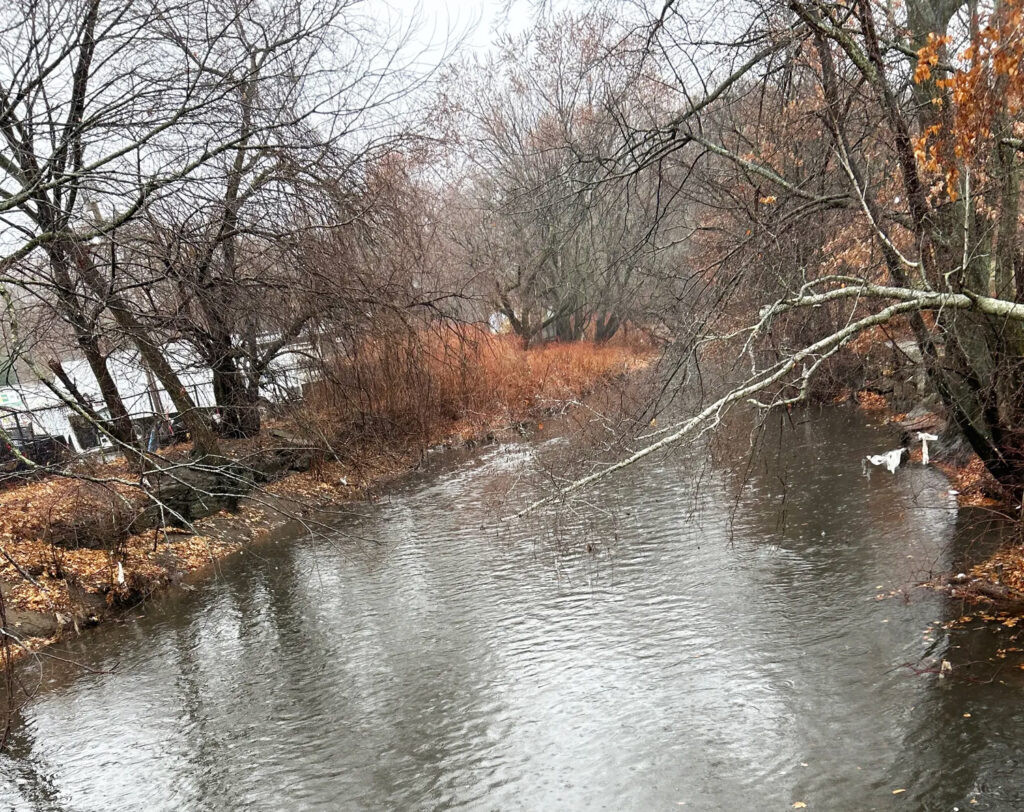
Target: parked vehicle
(41, 449)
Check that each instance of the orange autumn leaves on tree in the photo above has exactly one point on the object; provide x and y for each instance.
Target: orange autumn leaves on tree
(989, 84)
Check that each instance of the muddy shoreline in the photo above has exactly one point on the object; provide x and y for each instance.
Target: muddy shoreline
(96, 537)
(298, 503)
(168, 561)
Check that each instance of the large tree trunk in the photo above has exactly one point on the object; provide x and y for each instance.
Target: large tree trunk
(981, 378)
(563, 327)
(119, 425)
(960, 377)
(605, 327)
(203, 440)
(239, 413)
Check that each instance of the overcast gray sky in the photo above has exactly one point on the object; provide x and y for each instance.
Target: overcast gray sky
(476, 19)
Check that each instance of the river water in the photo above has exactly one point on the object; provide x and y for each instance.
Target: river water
(667, 644)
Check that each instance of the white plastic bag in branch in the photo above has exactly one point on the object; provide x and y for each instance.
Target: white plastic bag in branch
(924, 437)
(890, 459)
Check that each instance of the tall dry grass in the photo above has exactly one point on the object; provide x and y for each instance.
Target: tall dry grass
(419, 386)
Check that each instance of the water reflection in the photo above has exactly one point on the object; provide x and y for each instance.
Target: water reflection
(732, 656)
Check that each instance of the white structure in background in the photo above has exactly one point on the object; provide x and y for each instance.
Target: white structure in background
(499, 323)
(890, 459)
(925, 437)
(31, 407)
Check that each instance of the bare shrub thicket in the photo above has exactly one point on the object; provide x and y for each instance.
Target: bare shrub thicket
(410, 388)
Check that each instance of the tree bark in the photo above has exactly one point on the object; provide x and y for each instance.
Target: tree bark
(240, 416)
(203, 440)
(119, 425)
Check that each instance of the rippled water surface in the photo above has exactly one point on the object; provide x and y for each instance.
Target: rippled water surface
(668, 645)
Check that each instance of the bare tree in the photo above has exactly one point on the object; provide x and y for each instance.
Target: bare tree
(850, 165)
(564, 249)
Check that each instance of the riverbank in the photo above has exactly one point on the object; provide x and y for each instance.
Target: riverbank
(70, 555)
(997, 582)
(420, 645)
(970, 482)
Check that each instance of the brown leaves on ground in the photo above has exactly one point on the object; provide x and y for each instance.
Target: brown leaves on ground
(842, 395)
(1005, 567)
(976, 487)
(148, 560)
(38, 507)
(871, 401)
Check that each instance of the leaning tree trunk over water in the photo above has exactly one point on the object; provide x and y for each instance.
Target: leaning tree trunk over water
(203, 440)
(980, 377)
(70, 307)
